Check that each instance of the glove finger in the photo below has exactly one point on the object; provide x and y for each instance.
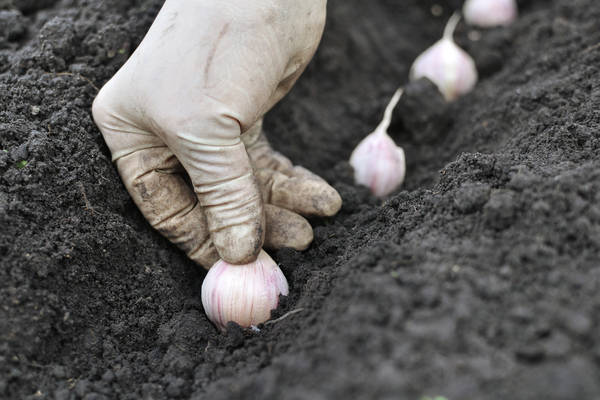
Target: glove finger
(152, 178)
(224, 182)
(263, 156)
(286, 229)
(300, 191)
(299, 171)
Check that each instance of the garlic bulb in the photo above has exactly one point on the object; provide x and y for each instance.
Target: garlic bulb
(446, 65)
(488, 13)
(244, 294)
(378, 163)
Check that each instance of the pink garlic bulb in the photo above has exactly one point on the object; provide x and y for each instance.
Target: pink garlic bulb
(378, 163)
(446, 65)
(244, 294)
(489, 13)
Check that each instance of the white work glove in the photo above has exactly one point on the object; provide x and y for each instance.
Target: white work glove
(178, 116)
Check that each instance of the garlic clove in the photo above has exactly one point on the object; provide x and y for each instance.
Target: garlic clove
(489, 13)
(378, 163)
(447, 65)
(244, 294)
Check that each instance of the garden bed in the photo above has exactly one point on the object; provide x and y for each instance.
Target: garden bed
(478, 279)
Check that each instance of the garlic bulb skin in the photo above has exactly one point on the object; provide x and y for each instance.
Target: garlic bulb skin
(378, 163)
(244, 294)
(447, 65)
(489, 13)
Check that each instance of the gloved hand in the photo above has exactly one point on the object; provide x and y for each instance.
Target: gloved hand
(179, 114)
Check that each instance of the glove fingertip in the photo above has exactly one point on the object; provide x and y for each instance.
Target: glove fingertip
(285, 228)
(329, 203)
(240, 244)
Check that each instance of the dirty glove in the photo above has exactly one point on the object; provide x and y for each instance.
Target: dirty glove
(178, 117)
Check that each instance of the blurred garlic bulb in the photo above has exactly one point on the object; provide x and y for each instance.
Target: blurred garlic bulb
(378, 163)
(446, 65)
(244, 294)
(488, 13)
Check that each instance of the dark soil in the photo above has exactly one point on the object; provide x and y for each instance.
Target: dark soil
(480, 279)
